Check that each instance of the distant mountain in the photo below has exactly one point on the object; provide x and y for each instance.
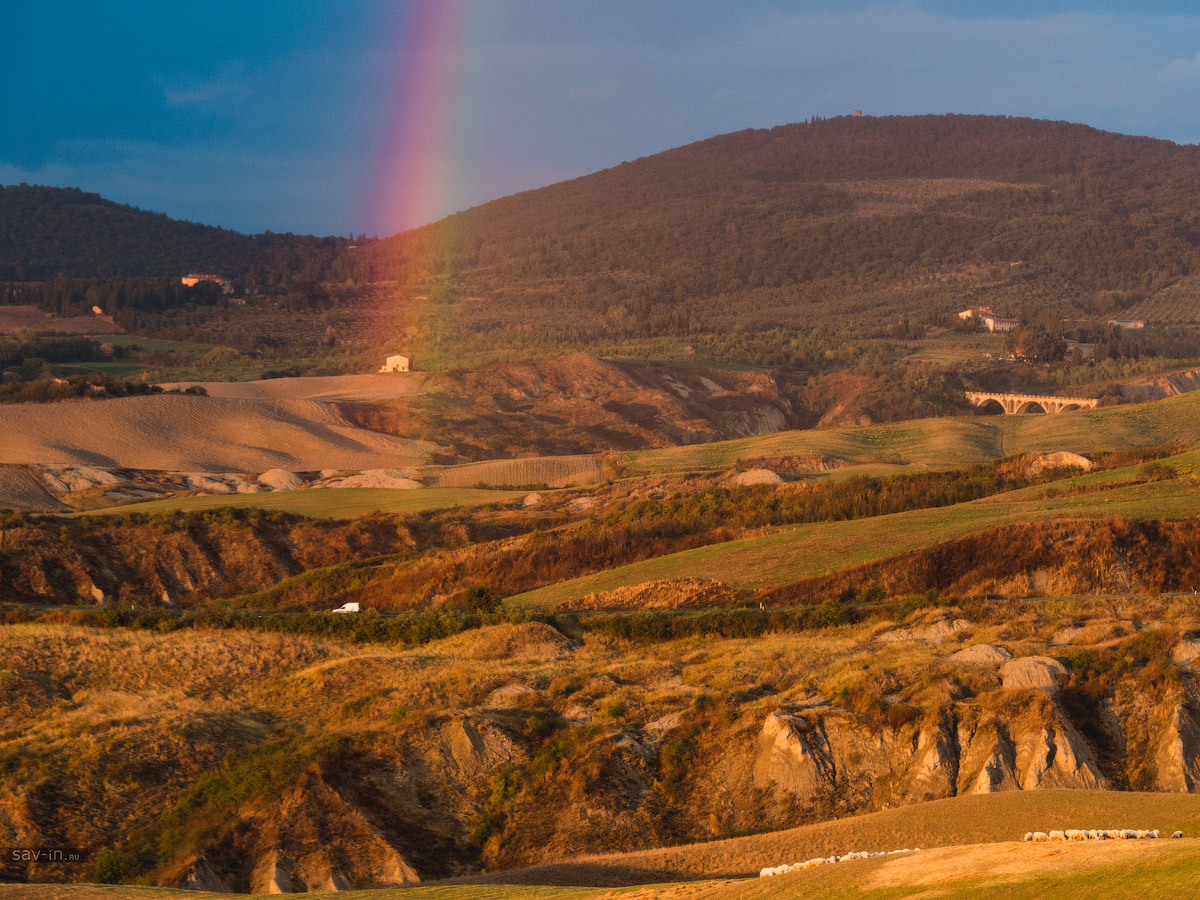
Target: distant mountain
(46, 231)
(846, 221)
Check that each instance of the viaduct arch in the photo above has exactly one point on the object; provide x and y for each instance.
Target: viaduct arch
(1015, 404)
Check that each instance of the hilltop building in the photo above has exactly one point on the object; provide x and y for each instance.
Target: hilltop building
(397, 364)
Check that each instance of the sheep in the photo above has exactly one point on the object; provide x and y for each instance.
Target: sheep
(1114, 834)
(1058, 836)
(1142, 834)
(1040, 837)
(1130, 834)
(1155, 834)
(1074, 834)
(1177, 834)
(1028, 836)
(1094, 835)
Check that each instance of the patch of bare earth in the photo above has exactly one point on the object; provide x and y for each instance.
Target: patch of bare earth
(177, 432)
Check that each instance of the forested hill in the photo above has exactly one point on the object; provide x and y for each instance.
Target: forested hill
(842, 216)
(46, 231)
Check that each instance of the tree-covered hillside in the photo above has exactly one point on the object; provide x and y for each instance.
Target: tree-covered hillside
(832, 221)
(46, 231)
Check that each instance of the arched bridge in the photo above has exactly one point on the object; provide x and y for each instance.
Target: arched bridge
(1029, 403)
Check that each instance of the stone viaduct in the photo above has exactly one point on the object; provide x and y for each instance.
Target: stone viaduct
(1027, 403)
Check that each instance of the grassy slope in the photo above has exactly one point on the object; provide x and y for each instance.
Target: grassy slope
(333, 504)
(941, 443)
(790, 553)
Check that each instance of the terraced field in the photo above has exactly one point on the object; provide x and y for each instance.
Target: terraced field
(787, 554)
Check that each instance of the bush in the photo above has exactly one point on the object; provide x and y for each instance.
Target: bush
(483, 600)
(116, 866)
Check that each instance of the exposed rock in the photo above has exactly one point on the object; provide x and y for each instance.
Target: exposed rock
(1057, 757)
(755, 476)
(933, 633)
(394, 479)
(988, 759)
(793, 755)
(468, 747)
(981, 655)
(935, 774)
(65, 479)
(1187, 650)
(513, 695)
(280, 480)
(272, 875)
(1061, 459)
(1164, 386)
(222, 483)
(534, 499)
(655, 730)
(334, 881)
(203, 877)
(1178, 755)
(1032, 673)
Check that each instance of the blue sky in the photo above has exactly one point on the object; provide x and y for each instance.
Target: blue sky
(276, 115)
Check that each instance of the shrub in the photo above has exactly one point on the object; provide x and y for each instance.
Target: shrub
(116, 866)
(482, 599)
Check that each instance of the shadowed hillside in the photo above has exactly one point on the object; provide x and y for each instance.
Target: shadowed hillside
(848, 221)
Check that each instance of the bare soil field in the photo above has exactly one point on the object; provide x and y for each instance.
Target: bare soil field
(20, 490)
(326, 388)
(202, 434)
(14, 317)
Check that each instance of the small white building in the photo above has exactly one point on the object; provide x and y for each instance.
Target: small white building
(347, 608)
(397, 364)
(1128, 323)
(1001, 323)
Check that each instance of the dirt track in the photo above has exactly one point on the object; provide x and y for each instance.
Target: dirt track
(197, 434)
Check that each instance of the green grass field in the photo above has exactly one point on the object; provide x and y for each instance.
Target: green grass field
(342, 503)
(948, 442)
(786, 554)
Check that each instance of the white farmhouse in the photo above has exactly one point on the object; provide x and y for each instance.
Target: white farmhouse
(397, 364)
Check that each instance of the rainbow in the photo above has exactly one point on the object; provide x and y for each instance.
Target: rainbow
(433, 95)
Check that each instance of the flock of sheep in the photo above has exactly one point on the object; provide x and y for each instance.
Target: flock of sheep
(824, 860)
(1070, 834)
(1118, 834)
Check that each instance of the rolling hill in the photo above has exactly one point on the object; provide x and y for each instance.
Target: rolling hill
(46, 231)
(849, 222)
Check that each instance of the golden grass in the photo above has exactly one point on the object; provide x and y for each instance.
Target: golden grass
(121, 684)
